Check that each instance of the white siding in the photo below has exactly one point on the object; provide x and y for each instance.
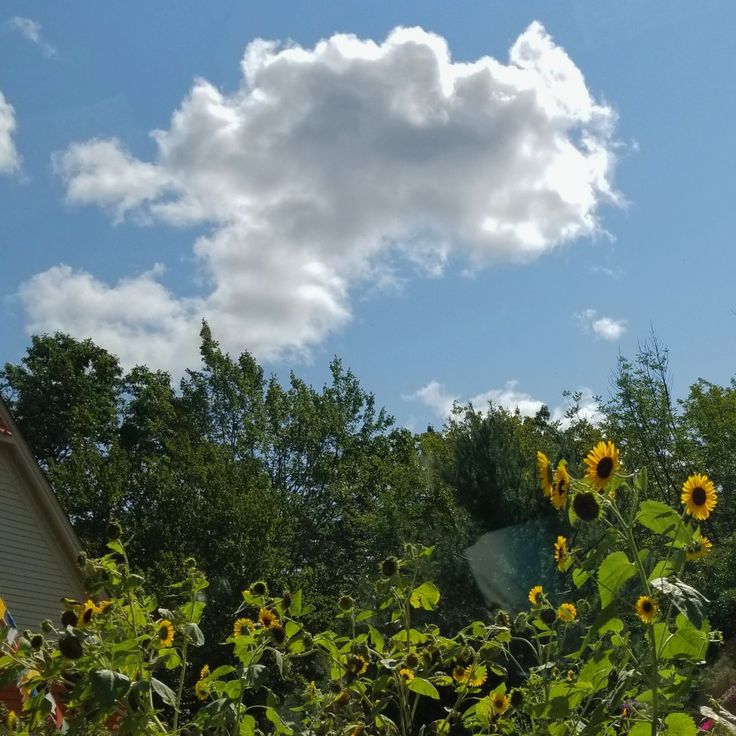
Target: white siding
(33, 574)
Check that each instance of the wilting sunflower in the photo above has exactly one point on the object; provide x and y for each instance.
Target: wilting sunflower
(561, 554)
(699, 548)
(267, 617)
(356, 665)
(699, 496)
(646, 609)
(535, 595)
(602, 462)
(561, 486)
(586, 506)
(165, 633)
(201, 688)
(406, 675)
(567, 612)
(545, 473)
(242, 627)
(500, 703)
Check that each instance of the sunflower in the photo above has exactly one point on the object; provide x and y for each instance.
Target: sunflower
(561, 486)
(474, 676)
(500, 703)
(356, 665)
(545, 473)
(406, 675)
(699, 496)
(201, 688)
(242, 627)
(699, 548)
(535, 595)
(586, 506)
(88, 610)
(267, 617)
(567, 613)
(602, 462)
(561, 554)
(646, 609)
(165, 633)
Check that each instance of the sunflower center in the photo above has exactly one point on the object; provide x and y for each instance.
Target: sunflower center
(87, 616)
(698, 496)
(604, 467)
(647, 606)
(163, 633)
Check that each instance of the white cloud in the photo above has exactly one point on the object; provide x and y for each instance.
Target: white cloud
(604, 328)
(31, 31)
(510, 397)
(328, 163)
(9, 159)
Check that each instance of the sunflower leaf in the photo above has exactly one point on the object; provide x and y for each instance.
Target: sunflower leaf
(663, 519)
(423, 687)
(614, 571)
(425, 596)
(688, 601)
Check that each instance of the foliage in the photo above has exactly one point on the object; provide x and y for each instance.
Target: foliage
(621, 658)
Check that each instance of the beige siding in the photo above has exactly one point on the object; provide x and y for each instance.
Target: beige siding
(33, 574)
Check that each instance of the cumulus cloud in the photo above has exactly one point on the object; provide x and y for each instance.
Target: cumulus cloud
(601, 327)
(436, 397)
(9, 159)
(31, 31)
(327, 163)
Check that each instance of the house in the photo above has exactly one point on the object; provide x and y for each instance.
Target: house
(38, 547)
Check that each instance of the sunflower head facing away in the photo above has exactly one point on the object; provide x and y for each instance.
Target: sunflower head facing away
(586, 506)
(601, 463)
(536, 594)
(165, 633)
(560, 552)
(699, 496)
(560, 487)
(646, 609)
(698, 548)
(545, 473)
(567, 613)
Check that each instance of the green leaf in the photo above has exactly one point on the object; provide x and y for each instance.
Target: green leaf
(425, 596)
(687, 600)
(116, 546)
(680, 724)
(377, 638)
(248, 726)
(164, 692)
(641, 728)
(612, 624)
(194, 634)
(579, 576)
(108, 686)
(661, 570)
(614, 571)
(192, 611)
(278, 724)
(662, 519)
(295, 609)
(424, 687)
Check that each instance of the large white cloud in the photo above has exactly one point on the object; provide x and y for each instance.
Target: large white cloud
(9, 159)
(328, 161)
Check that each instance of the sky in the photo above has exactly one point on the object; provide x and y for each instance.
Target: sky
(464, 201)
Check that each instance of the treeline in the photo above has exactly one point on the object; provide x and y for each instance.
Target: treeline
(312, 488)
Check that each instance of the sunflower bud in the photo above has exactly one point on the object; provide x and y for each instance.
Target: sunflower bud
(278, 633)
(412, 660)
(389, 567)
(286, 599)
(521, 621)
(583, 607)
(82, 559)
(114, 530)
(37, 641)
(586, 506)
(69, 618)
(502, 618)
(47, 626)
(259, 588)
(70, 646)
(346, 602)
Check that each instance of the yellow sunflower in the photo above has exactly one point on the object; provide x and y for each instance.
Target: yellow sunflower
(201, 688)
(561, 486)
(561, 554)
(567, 613)
(473, 676)
(267, 617)
(406, 675)
(242, 627)
(699, 496)
(646, 609)
(699, 548)
(602, 462)
(88, 611)
(165, 633)
(545, 473)
(535, 595)
(356, 665)
(500, 703)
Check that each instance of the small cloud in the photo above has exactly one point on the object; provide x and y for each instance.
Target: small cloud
(9, 159)
(601, 327)
(31, 31)
(435, 397)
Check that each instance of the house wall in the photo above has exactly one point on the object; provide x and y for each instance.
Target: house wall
(35, 568)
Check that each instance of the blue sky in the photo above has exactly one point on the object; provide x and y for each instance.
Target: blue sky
(483, 224)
